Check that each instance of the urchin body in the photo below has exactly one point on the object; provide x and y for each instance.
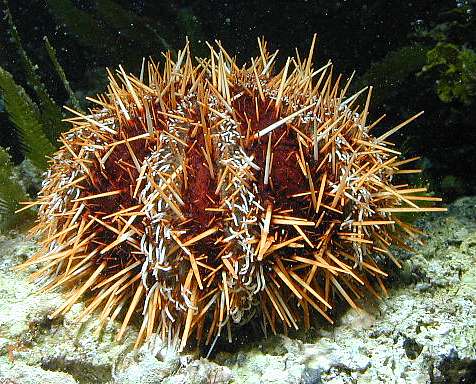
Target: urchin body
(209, 193)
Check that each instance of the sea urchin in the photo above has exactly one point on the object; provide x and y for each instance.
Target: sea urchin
(210, 193)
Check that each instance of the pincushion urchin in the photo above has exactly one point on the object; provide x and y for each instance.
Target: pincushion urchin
(198, 196)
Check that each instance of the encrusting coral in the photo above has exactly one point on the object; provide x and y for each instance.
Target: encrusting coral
(200, 195)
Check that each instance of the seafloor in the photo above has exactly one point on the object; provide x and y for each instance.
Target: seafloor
(424, 332)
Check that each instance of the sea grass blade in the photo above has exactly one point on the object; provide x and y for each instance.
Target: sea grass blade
(24, 115)
(50, 113)
(59, 70)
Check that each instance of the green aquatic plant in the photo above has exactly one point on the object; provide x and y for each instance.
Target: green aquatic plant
(11, 193)
(60, 72)
(388, 74)
(37, 121)
(456, 72)
(27, 120)
(451, 60)
(50, 113)
(125, 35)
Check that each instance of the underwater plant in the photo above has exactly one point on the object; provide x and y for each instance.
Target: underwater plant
(456, 67)
(47, 110)
(11, 193)
(198, 196)
(25, 117)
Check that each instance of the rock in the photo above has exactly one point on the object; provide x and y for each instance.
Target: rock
(20, 373)
(145, 368)
(311, 376)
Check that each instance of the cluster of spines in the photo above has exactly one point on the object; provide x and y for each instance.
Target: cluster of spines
(213, 191)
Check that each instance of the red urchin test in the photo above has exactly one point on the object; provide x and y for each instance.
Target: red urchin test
(199, 195)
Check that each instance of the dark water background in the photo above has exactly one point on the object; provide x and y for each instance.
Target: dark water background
(388, 43)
